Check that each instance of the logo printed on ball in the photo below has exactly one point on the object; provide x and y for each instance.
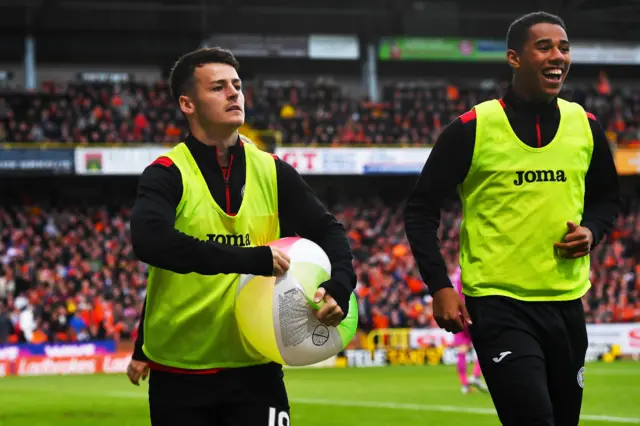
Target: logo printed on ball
(320, 335)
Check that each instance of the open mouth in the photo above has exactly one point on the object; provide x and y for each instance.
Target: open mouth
(553, 75)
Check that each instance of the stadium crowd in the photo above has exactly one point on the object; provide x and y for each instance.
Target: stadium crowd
(307, 113)
(70, 273)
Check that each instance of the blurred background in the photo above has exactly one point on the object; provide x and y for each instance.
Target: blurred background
(353, 94)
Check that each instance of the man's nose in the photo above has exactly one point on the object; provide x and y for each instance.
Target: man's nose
(233, 93)
(557, 57)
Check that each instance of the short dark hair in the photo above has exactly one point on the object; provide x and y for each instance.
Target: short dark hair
(181, 78)
(519, 29)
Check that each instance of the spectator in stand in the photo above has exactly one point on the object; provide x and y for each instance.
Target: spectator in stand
(6, 327)
(7, 283)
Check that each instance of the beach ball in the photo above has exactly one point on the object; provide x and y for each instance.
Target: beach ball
(276, 315)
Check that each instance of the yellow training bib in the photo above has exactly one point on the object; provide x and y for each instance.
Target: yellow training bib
(189, 321)
(516, 203)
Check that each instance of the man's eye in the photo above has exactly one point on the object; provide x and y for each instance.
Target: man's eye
(217, 88)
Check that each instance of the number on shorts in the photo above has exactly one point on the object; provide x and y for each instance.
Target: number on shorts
(282, 418)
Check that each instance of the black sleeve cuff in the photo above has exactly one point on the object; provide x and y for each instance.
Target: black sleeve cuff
(260, 259)
(596, 231)
(438, 283)
(339, 292)
(138, 353)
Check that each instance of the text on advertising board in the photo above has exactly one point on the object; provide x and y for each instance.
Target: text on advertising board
(626, 335)
(355, 161)
(365, 358)
(12, 352)
(305, 162)
(431, 356)
(45, 366)
(634, 338)
(397, 338)
(36, 161)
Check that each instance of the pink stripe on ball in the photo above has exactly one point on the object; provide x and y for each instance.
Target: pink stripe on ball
(284, 244)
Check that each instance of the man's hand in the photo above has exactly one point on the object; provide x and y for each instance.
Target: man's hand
(577, 242)
(330, 313)
(280, 262)
(137, 369)
(450, 311)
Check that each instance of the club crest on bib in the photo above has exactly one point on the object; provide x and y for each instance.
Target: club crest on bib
(581, 377)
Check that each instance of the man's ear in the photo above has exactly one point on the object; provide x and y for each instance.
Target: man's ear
(186, 105)
(513, 58)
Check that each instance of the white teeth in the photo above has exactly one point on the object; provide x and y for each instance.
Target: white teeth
(554, 71)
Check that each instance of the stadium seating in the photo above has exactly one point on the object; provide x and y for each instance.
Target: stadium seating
(316, 113)
(93, 113)
(71, 274)
(68, 274)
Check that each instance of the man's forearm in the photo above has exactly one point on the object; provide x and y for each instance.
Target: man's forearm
(446, 167)
(343, 277)
(161, 245)
(599, 217)
(138, 353)
(421, 225)
(602, 188)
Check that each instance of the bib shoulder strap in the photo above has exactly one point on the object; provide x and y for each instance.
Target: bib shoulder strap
(572, 109)
(252, 150)
(182, 158)
(488, 107)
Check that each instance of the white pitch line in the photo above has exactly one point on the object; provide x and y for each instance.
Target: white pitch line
(612, 372)
(413, 407)
(395, 406)
(445, 408)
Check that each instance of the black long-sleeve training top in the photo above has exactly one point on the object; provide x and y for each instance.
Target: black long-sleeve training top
(448, 164)
(157, 242)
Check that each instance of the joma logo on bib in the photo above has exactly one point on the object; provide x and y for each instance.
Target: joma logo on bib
(531, 176)
(242, 240)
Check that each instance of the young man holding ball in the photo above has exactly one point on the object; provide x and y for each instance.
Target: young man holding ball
(203, 215)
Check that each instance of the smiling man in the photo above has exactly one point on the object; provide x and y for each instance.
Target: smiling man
(539, 190)
(204, 213)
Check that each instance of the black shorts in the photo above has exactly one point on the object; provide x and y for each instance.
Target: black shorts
(251, 396)
(532, 357)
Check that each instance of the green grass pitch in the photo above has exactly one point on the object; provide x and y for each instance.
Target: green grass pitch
(400, 396)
